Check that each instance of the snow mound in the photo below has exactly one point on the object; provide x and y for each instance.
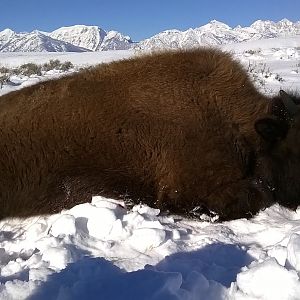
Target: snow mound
(268, 280)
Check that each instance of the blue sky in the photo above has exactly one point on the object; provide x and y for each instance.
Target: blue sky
(140, 19)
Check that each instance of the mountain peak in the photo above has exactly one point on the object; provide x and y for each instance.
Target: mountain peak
(286, 21)
(216, 25)
(7, 31)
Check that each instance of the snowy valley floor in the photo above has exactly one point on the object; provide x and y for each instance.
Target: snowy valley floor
(101, 250)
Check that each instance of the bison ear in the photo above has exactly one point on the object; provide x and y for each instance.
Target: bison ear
(271, 129)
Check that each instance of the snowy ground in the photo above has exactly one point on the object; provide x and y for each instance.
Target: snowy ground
(101, 250)
(12, 59)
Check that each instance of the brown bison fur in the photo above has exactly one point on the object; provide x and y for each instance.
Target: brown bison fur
(177, 130)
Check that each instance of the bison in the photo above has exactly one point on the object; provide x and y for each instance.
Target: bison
(185, 131)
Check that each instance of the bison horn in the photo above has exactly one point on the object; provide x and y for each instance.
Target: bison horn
(288, 102)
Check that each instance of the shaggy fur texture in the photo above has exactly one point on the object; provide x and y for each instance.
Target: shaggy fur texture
(176, 130)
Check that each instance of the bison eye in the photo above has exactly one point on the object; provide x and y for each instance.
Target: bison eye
(271, 129)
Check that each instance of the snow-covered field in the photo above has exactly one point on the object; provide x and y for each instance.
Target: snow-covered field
(101, 250)
(14, 59)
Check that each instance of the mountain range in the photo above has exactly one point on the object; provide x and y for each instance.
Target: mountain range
(218, 33)
(77, 38)
(80, 38)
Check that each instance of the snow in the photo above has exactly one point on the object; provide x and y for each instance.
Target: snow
(268, 280)
(139, 254)
(293, 251)
(105, 250)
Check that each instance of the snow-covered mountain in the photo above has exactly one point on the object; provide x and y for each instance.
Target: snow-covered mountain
(34, 41)
(89, 37)
(92, 38)
(80, 38)
(76, 38)
(116, 41)
(218, 33)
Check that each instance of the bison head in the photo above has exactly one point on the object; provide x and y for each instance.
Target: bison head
(278, 164)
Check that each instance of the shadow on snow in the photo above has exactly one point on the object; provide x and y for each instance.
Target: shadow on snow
(178, 276)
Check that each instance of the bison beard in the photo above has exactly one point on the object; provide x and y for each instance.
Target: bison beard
(184, 131)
